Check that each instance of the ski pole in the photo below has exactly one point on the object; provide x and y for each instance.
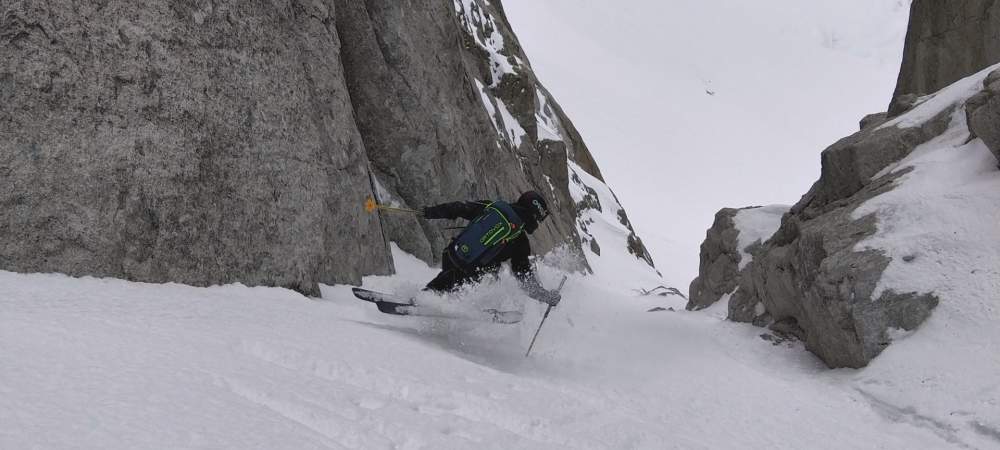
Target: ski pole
(546, 316)
(371, 206)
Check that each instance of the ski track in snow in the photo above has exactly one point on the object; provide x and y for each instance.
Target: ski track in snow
(91, 363)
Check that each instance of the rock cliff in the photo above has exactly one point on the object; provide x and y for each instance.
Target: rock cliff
(196, 142)
(213, 142)
(835, 273)
(945, 42)
(810, 271)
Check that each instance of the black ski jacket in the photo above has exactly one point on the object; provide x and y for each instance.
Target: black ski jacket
(517, 251)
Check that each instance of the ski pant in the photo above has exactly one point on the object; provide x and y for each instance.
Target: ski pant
(452, 277)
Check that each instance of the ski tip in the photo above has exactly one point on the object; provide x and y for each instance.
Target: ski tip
(365, 294)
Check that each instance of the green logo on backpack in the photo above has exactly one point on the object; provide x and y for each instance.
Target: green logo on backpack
(486, 236)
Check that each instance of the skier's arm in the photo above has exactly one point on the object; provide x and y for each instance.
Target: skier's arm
(455, 210)
(521, 265)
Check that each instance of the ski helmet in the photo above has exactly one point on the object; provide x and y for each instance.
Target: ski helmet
(533, 201)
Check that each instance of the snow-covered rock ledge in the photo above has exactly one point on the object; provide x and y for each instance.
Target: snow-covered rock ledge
(735, 236)
(903, 218)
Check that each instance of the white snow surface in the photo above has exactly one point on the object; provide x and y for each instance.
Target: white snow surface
(515, 134)
(487, 100)
(548, 123)
(108, 364)
(941, 228)
(503, 121)
(756, 225)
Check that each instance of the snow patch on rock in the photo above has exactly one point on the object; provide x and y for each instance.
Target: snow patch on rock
(548, 123)
(501, 118)
(488, 106)
(483, 29)
(755, 226)
(512, 129)
(720, 309)
(931, 105)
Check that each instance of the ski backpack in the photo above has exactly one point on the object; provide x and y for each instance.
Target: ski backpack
(484, 237)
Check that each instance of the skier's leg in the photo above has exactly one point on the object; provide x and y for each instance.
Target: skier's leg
(445, 281)
(450, 278)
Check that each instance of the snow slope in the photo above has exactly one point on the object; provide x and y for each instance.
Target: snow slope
(941, 227)
(90, 363)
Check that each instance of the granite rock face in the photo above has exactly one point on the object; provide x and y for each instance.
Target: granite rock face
(947, 41)
(718, 269)
(450, 109)
(196, 142)
(983, 113)
(214, 142)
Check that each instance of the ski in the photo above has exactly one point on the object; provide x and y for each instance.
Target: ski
(392, 304)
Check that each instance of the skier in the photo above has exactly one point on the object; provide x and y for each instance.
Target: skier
(497, 232)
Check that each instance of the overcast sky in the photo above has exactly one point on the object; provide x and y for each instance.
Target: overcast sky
(694, 105)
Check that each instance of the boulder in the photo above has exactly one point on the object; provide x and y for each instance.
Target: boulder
(872, 120)
(729, 249)
(810, 272)
(849, 165)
